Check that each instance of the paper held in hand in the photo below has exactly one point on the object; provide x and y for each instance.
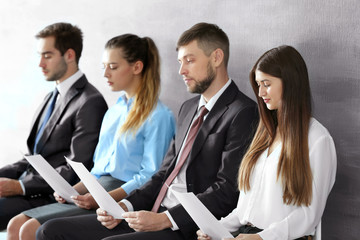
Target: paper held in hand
(202, 216)
(52, 177)
(103, 199)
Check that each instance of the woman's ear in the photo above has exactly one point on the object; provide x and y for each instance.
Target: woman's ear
(138, 67)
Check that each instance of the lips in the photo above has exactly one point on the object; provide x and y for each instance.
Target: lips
(266, 100)
(187, 80)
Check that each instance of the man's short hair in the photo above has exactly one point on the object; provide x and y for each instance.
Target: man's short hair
(66, 36)
(209, 37)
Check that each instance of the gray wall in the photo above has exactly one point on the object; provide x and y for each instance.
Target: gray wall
(326, 32)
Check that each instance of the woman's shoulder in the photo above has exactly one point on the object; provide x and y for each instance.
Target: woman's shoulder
(317, 131)
(161, 110)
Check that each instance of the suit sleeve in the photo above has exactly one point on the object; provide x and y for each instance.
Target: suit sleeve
(86, 122)
(14, 170)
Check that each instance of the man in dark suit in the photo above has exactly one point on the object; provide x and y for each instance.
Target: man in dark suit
(213, 132)
(67, 123)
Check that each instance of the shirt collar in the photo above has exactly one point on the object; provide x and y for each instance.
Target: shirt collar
(210, 104)
(65, 85)
(124, 100)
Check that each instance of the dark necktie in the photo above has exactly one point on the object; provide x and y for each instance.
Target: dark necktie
(185, 153)
(47, 115)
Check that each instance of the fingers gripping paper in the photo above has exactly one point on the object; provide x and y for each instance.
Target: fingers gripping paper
(103, 199)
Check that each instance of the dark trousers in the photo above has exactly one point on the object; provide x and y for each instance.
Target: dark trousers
(253, 230)
(12, 206)
(87, 227)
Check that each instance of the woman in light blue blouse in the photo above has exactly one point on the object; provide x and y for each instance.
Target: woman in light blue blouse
(134, 136)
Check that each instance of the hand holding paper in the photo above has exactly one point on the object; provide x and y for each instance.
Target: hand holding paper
(103, 199)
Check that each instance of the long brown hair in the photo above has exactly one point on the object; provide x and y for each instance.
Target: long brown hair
(292, 119)
(144, 49)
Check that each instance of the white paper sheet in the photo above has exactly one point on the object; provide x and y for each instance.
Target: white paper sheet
(103, 199)
(52, 177)
(202, 216)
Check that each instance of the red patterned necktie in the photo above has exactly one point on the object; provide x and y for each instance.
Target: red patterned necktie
(185, 153)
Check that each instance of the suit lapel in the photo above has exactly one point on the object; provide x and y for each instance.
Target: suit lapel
(184, 126)
(37, 118)
(220, 107)
(59, 109)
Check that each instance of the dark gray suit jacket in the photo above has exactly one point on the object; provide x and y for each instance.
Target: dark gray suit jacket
(213, 161)
(72, 131)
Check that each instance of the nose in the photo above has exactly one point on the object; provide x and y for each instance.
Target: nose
(262, 91)
(106, 72)
(182, 70)
(41, 63)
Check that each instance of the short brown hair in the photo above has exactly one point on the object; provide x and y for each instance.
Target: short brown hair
(209, 37)
(66, 36)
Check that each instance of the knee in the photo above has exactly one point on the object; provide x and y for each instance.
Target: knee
(40, 232)
(28, 229)
(46, 230)
(14, 226)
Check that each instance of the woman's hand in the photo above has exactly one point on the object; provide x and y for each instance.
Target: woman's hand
(203, 236)
(246, 237)
(85, 201)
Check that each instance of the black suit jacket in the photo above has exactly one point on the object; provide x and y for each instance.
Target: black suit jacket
(213, 161)
(72, 131)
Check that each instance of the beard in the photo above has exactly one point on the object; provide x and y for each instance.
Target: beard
(59, 72)
(202, 85)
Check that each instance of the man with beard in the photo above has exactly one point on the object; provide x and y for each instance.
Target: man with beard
(67, 123)
(213, 132)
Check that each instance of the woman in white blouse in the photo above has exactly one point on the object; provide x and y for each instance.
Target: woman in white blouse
(289, 169)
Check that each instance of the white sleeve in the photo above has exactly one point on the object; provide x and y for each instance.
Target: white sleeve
(231, 222)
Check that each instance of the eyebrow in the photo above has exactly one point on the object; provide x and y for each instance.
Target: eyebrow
(186, 56)
(47, 52)
(264, 80)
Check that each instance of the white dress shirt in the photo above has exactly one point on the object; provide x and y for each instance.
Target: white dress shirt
(263, 205)
(65, 85)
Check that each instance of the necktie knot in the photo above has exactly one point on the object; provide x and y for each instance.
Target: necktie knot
(203, 112)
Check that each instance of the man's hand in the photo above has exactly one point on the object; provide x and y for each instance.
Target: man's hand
(106, 220)
(202, 236)
(10, 187)
(85, 201)
(145, 221)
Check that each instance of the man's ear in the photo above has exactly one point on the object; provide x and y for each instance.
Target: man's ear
(218, 57)
(138, 67)
(70, 55)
